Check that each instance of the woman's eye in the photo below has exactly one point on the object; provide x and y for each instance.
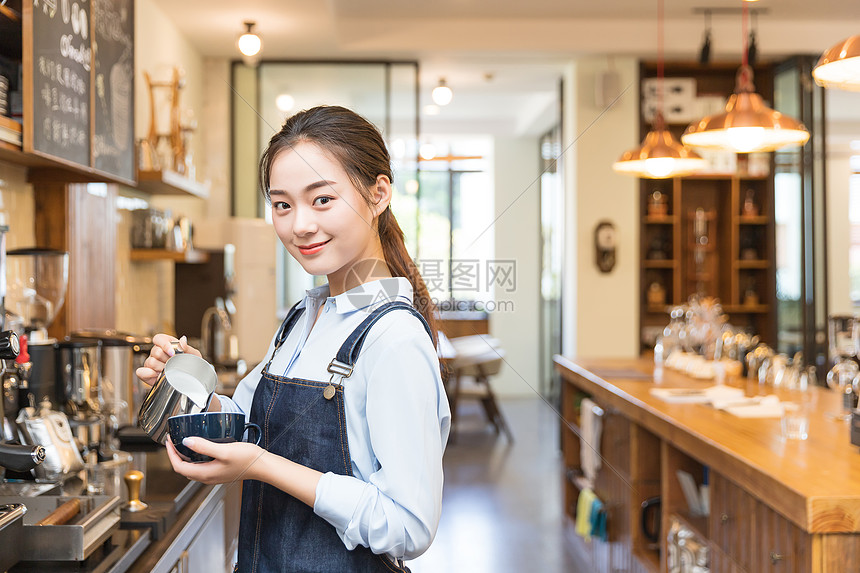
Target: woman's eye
(322, 200)
(281, 206)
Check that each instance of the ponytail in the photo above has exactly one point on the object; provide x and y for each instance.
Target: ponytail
(401, 265)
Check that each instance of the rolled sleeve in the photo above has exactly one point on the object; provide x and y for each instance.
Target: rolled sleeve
(395, 509)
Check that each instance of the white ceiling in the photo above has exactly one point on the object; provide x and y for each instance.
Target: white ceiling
(502, 57)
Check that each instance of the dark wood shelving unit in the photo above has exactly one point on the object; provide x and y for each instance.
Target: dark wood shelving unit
(744, 282)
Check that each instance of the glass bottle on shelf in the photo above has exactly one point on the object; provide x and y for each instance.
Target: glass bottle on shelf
(658, 205)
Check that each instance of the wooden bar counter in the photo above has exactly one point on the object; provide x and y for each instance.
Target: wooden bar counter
(775, 504)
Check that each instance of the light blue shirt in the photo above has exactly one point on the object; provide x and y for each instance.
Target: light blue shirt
(397, 416)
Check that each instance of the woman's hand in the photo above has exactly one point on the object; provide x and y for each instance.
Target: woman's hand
(162, 350)
(234, 461)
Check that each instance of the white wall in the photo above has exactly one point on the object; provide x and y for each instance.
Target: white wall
(600, 310)
(516, 168)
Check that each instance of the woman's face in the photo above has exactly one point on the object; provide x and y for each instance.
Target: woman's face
(320, 217)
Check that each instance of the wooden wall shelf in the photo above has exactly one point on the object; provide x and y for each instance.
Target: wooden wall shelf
(166, 182)
(149, 255)
(659, 264)
(718, 268)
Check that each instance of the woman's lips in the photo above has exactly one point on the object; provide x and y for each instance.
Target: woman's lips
(311, 249)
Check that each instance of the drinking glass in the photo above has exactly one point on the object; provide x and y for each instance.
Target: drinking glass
(844, 336)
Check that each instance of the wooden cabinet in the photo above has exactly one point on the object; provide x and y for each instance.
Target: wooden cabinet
(771, 508)
(731, 521)
(80, 218)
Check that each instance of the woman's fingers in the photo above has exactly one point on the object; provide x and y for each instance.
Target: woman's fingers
(147, 375)
(162, 346)
(183, 344)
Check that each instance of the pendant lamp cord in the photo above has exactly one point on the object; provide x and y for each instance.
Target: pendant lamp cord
(744, 28)
(658, 120)
(745, 73)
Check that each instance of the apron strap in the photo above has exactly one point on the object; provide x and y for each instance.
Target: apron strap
(349, 350)
(292, 316)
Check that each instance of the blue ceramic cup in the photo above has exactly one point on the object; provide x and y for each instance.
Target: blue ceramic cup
(219, 427)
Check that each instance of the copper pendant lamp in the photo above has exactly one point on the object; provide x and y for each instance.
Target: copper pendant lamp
(660, 155)
(747, 125)
(839, 67)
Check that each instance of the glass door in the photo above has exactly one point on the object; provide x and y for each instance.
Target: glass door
(799, 200)
(551, 227)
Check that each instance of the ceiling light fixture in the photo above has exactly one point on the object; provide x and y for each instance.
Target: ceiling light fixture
(250, 44)
(752, 48)
(442, 94)
(705, 51)
(839, 67)
(747, 125)
(285, 102)
(660, 155)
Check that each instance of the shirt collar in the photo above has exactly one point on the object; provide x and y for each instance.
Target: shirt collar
(316, 293)
(368, 294)
(373, 293)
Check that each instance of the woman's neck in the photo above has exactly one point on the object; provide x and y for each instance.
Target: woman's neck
(369, 269)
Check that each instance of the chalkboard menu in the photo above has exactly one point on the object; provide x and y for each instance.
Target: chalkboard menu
(61, 70)
(113, 111)
(79, 84)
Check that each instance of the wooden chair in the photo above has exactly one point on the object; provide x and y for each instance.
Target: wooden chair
(478, 357)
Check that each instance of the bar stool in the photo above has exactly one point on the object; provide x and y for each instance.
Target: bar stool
(479, 357)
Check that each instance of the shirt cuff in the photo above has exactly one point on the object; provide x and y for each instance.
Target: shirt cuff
(337, 497)
(228, 405)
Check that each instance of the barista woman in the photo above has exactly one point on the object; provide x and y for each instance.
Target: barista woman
(348, 474)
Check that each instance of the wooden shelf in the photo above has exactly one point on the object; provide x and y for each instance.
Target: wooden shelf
(659, 309)
(746, 308)
(8, 124)
(165, 255)
(170, 183)
(659, 264)
(650, 560)
(660, 219)
(751, 264)
(698, 523)
(749, 220)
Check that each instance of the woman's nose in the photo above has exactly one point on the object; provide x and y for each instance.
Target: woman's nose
(304, 222)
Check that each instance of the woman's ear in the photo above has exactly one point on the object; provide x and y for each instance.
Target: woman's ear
(381, 195)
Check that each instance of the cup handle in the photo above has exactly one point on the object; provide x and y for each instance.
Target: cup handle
(259, 432)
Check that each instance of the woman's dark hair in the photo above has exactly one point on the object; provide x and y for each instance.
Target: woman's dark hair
(358, 146)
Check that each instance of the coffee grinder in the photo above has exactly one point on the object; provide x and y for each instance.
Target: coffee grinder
(13, 455)
(37, 281)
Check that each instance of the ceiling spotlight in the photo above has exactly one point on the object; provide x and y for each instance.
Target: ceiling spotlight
(752, 50)
(249, 42)
(705, 52)
(442, 94)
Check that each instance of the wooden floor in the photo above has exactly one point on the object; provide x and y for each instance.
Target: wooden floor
(502, 503)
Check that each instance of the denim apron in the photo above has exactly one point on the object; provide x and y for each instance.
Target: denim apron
(305, 421)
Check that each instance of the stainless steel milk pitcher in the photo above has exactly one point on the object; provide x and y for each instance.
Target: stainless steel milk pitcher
(185, 386)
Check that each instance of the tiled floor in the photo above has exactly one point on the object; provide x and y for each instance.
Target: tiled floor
(502, 503)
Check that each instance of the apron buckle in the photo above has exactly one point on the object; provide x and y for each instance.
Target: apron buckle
(338, 367)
